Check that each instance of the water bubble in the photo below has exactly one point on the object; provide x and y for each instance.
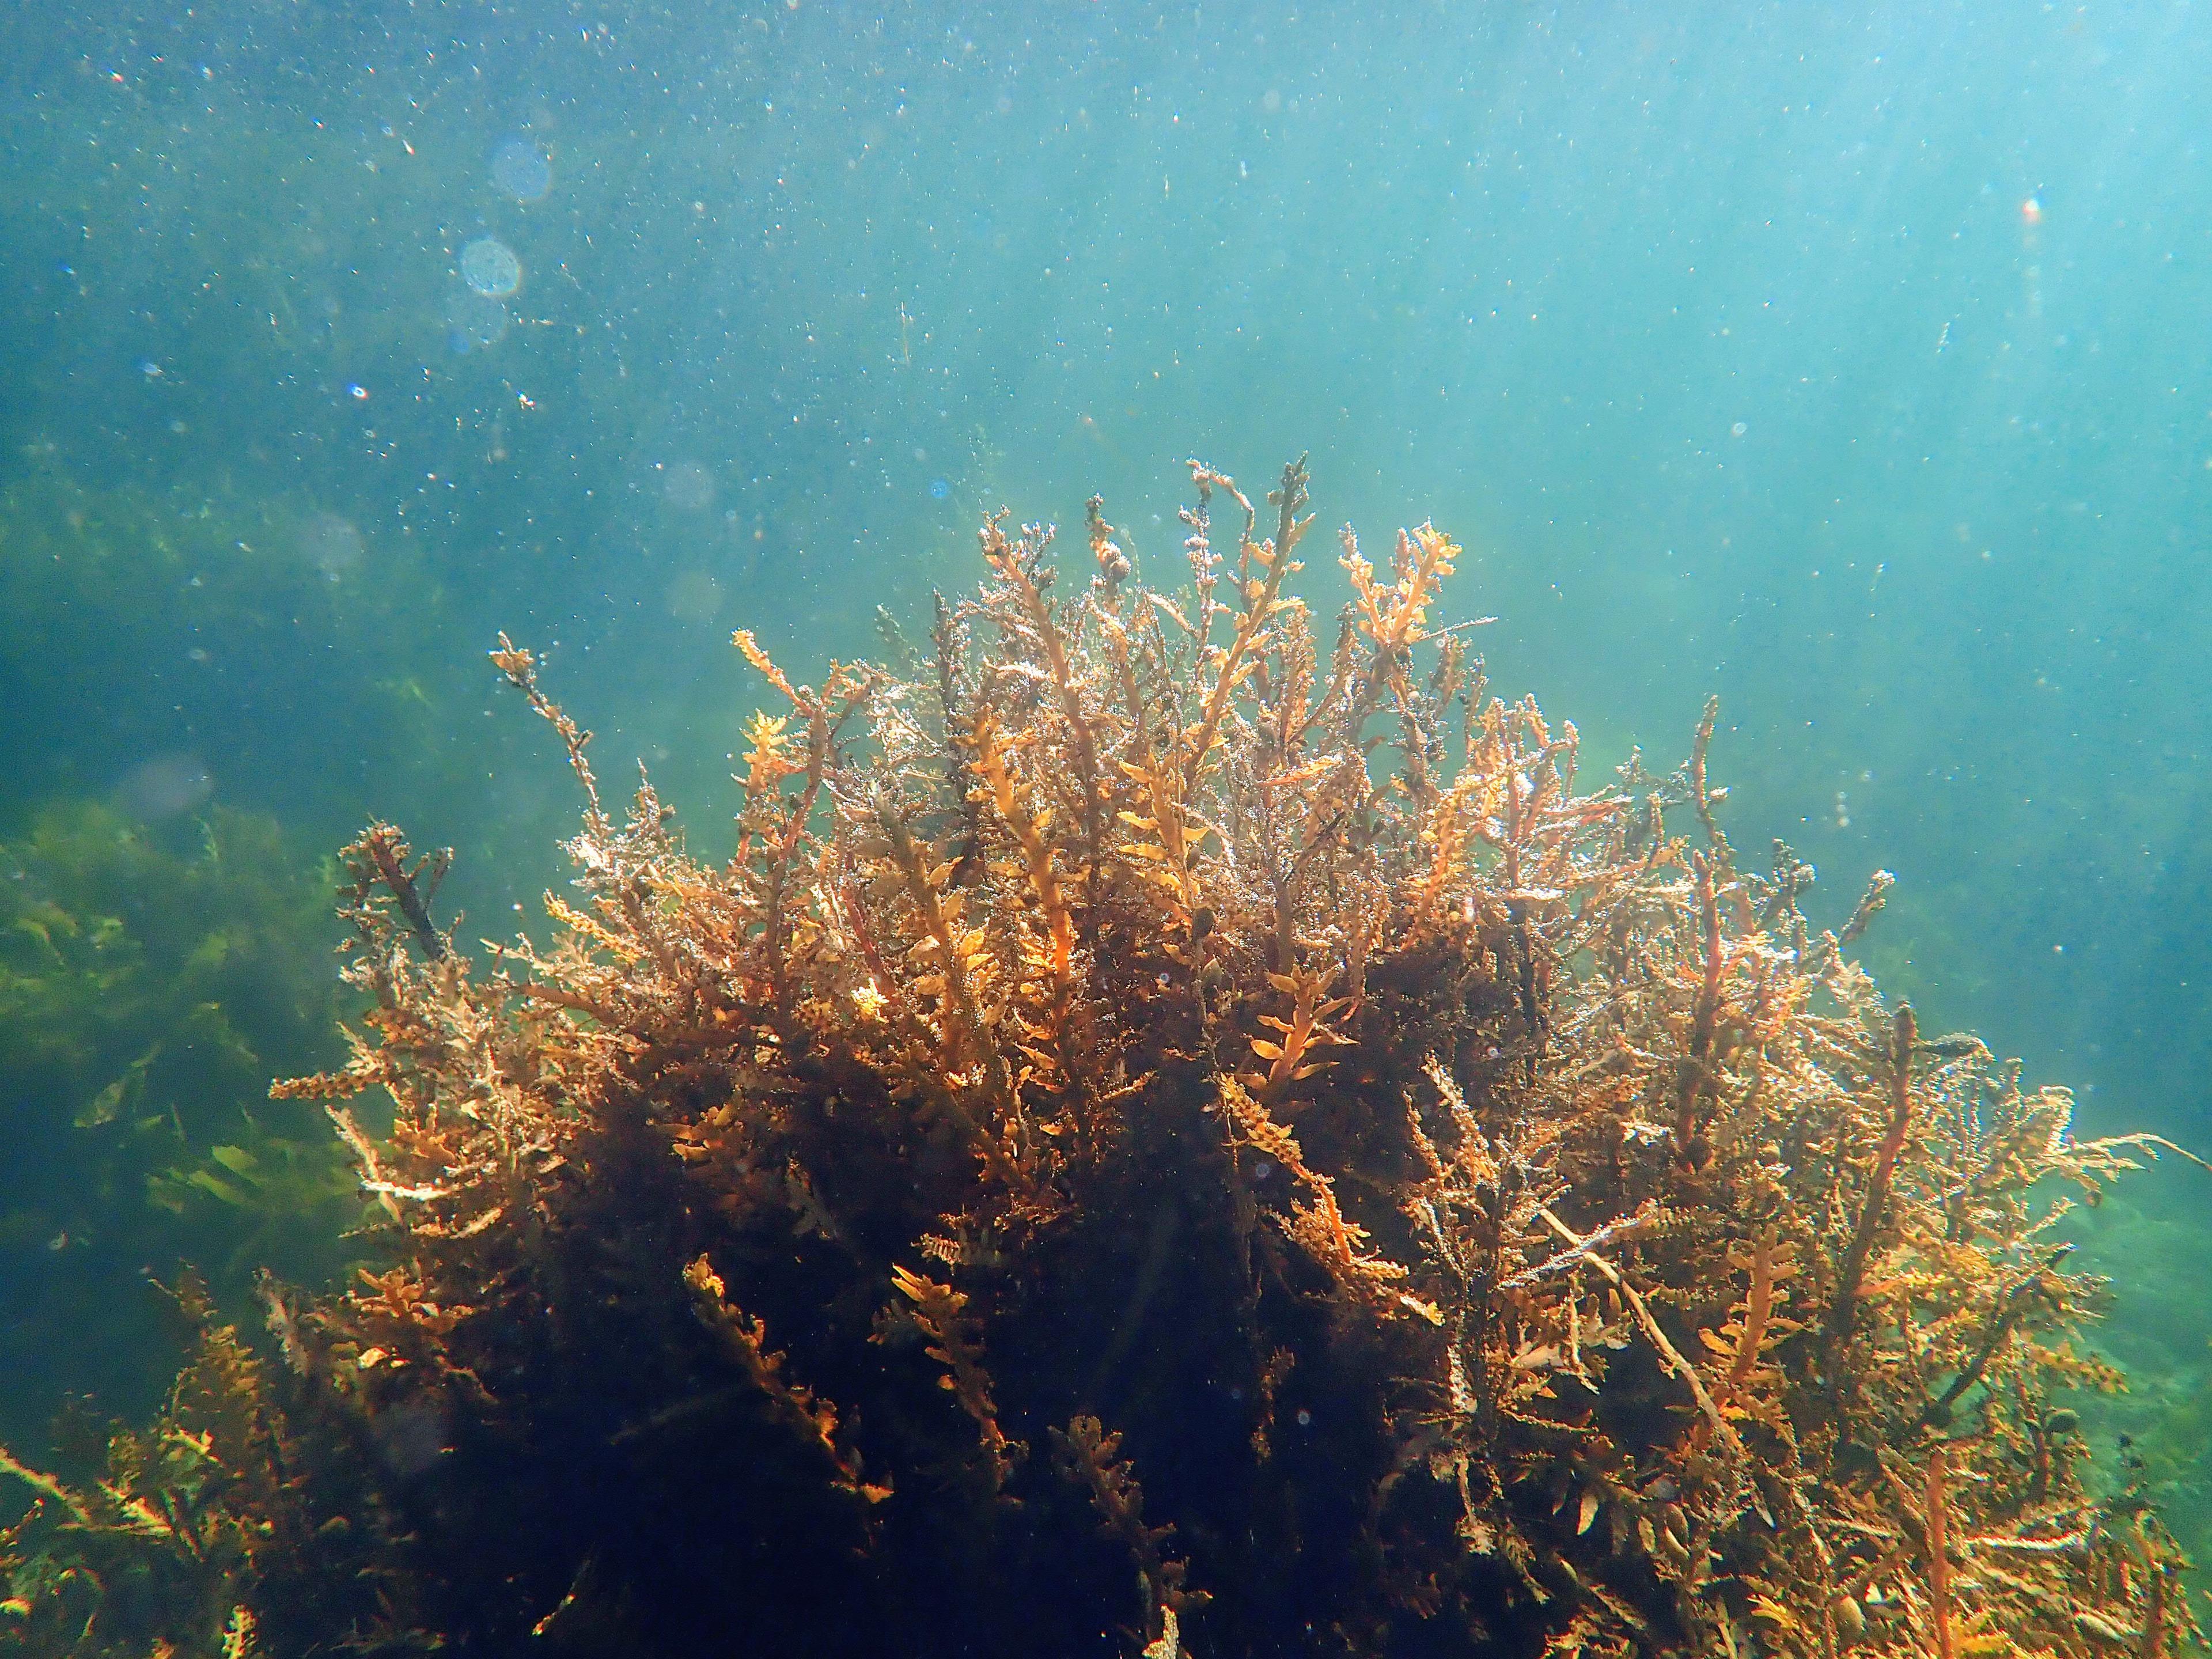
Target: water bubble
(164, 786)
(1738, 429)
(687, 486)
(473, 322)
(334, 545)
(939, 489)
(490, 267)
(519, 170)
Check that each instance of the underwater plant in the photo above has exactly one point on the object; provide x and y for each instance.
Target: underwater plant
(150, 980)
(1177, 1128)
(159, 644)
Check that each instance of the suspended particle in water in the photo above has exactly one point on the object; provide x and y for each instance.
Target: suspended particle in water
(1738, 429)
(939, 489)
(519, 170)
(334, 545)
(695, 597)
(489, 267)
(686, 485)
(474, 321)
(164, 786)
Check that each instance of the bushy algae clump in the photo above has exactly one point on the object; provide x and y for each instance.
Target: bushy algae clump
(1179, 1128)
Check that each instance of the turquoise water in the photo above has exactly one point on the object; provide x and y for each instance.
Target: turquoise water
(1851, 362)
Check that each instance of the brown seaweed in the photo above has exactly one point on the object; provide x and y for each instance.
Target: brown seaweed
(1492, 1217)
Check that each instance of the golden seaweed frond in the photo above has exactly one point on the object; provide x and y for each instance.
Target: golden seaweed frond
(1306, 1030)
(238, 1634)
(1393, 613)
(1092, 1455)
(1749, 1383)
(1319, 1223)
(745, 642)
(1169, 835)
(942, 1314)
(808, 1416)
(1028, 828)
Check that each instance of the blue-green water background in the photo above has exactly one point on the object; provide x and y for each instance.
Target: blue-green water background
(1852, 361)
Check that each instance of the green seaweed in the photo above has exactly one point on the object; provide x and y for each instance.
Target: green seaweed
(149, 985)
(189, 627)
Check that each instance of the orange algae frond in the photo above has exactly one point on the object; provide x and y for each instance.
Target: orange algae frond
(1028, 829)
(942, 1314)
(1091, 1456)
(1495, 1217)
(813, 1420)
